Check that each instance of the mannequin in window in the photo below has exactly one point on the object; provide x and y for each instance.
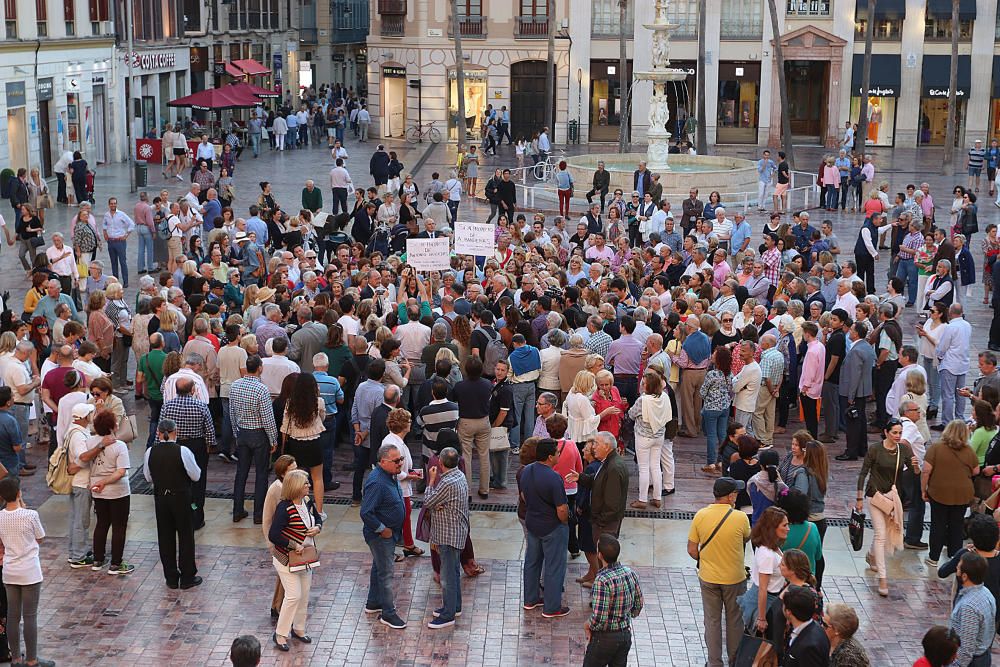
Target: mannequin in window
(874, 118)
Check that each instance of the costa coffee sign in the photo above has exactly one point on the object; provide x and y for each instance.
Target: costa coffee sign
(159, 60)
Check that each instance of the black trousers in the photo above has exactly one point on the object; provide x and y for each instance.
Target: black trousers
(809, 413)
(882, 380)
(995, 328)
(608, 649)
(857, 430)
(821, 563)
(200, 451)
(866, 269)
(61, 192)
(947, 523)
(175, 527)
(604, 196)
(111, 515)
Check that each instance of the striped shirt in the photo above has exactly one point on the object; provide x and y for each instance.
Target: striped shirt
(976, 158)
(772, 366)
(250, 407)
(599, 343)
(911, 244)
(772, 264)
(435, 416)
(615, 599)
(192, 418)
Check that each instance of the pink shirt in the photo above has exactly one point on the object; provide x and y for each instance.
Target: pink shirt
(927, 205)
(569, 459)
(831, 176)
(811, 382)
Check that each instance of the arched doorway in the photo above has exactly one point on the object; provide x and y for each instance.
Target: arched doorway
(527, 95)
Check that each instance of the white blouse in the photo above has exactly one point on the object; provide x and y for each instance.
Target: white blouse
(583, 420)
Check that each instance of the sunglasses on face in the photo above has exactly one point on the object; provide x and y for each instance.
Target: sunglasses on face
(397, 460)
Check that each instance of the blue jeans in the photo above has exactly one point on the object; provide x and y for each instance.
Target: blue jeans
(11, 461)
(254, 447)
(549, 554)
(830, 196)
(714, 423)
(952, 403)
(155, 407)
(451, 581)
(906, 270)
(255, 144)
(380, 583)
(453, 207)
(119, 264)
(933, 382)
(361, 465)
(524, 411)
(20, 412)
(226, 436)
(329, 440)
(145, 248)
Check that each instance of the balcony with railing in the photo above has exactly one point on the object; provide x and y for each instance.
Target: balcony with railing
(472, 27)
(532, 27)
(350, 21)
(308, 35)
(393, 25)
(741, 28)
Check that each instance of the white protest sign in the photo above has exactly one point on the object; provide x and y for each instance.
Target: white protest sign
(475, 238)
(428, 254)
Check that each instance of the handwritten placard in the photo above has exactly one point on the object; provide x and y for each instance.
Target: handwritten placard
(428, 254)
(474, 238)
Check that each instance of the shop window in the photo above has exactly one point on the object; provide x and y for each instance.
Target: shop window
(607, 98)
(934, 121)
(605, 19)
(881, 119)
(739, 102)
(10, 13)
(742, 19)
(939, 30)
(884, 30)
(475, 102)
(69, 17)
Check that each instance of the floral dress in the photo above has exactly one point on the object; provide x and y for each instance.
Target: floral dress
(611, 423)
(716, 391)
(991, 249)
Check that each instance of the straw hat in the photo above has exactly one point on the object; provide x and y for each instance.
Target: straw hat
(265, 295)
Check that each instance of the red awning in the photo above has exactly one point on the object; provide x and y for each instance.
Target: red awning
(251, 67)
(227, 97)
(234, 71)
(256, 91)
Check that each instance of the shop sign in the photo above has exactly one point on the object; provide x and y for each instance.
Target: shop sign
(199, 58)
(44, 90)
(943, 92)
(158, 60)
(879, 91)
(360, 57)
(276, 61)
(15, 94)
(338, 57)
(72, 84)
(97, 79)
(394, 72)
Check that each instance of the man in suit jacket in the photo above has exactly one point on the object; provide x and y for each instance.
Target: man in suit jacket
(430, 231)
(642, 180)
(364, 223)
(608, 492)
(945, 251)
(807, 642)
(19, 190)
(855, 386)
(379, 428)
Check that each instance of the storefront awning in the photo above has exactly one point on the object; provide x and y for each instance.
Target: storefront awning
(941, 9)
(251, 67)
(884, 9)
(234, 71)
(937, 76)
(884, 78)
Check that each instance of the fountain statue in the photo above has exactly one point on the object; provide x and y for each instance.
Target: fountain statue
(709, 172)
(661, 74)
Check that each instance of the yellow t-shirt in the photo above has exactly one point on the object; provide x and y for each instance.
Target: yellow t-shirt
(674, 347)
(722, 560)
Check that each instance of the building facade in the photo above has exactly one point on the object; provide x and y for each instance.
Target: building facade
(58, 73)
(822, 40)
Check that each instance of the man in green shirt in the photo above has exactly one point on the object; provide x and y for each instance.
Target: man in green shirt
(312, 197)
(149, 373)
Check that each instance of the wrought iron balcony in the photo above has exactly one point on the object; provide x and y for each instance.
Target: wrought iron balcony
(393, 25)
(532, 27)
(473, 27)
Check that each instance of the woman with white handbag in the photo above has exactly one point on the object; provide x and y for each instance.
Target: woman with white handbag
(877, 481)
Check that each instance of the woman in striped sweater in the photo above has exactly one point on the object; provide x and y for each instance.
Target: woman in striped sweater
(295, 526)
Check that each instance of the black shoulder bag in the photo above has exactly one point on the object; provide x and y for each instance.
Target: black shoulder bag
(709, 540)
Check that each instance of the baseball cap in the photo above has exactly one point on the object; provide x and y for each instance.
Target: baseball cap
(81, 410)
(726, 485)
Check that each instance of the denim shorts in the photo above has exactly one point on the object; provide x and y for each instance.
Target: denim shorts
(975, 171)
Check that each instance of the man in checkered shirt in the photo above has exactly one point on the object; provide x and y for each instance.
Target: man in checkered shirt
(252, 416)
(196, 431)
(447, 500)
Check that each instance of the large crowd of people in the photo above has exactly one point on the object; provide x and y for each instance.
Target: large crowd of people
(277, 331)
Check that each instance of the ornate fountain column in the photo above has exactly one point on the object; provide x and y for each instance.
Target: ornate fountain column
(657, 135)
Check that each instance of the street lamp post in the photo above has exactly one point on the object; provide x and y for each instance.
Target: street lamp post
(128, 99)
(579, 101)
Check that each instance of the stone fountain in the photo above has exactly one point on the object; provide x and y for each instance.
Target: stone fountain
(725, 174)
(660, 75)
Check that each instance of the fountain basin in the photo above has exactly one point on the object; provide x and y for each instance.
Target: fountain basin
(705, 172)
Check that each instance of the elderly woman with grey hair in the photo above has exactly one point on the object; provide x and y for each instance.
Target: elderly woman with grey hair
(940, 287)
(551, 357)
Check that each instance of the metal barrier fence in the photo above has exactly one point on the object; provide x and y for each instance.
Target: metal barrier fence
(803, 193)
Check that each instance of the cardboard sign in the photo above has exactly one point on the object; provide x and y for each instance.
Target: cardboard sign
(475, 238)
(428, 254)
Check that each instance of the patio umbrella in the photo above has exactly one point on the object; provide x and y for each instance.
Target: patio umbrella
(216, 99)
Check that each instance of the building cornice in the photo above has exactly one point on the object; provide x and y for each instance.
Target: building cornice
(56, 43)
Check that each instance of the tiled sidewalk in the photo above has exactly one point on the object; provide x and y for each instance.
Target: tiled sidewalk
(90, 619)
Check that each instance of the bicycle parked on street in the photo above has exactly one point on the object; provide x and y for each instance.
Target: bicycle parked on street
(417, 133)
